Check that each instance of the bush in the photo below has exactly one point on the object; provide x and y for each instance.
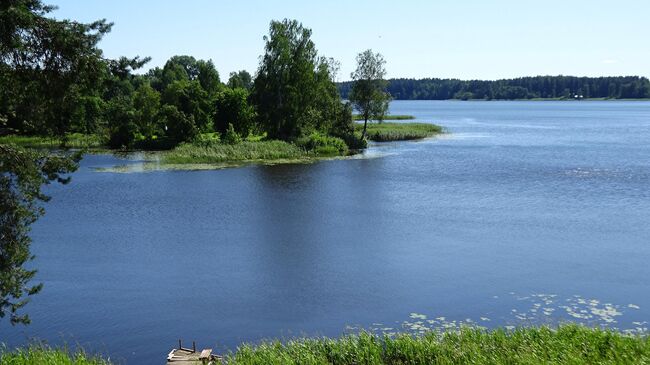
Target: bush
(323, 145)
(231, 137)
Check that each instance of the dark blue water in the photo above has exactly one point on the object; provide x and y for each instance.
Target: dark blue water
(526, 212)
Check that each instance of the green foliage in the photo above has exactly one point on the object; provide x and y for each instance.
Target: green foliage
(241, 79)
(538, 87)
(323, 145)
(215, 152)
(386, 132)
(146, 102)
(231, 136)
(368, 94)
(179, 126)
(569, 344)
(22, 173)
(50, 64)
(232, 109)
(387, 117)
(191, 99)
(74, 140)
(293, 92)
(122, 127)
(43, 355)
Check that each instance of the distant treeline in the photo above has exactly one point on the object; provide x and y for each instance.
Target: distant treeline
(556, 87)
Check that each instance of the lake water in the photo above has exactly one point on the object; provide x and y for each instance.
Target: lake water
(525, 213)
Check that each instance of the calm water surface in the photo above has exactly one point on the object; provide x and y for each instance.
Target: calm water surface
(526, 212)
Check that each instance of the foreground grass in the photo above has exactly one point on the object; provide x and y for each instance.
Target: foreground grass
(190, 153)
(48, 356)
(571, 344)
(74, 140)
(386, 132)
(568, 344)
(387, 117)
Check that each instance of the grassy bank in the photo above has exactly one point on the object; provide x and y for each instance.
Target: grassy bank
(208, 149)
(569, 344)
(386, 132)
(48, 356)
(387, 117)
(75, 140)
(245, 151)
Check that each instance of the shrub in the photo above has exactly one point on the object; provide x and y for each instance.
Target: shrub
(323, 145)
(231, 137)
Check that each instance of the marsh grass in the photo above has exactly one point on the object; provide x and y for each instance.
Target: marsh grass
(387, 132)
(192, 153)
(74, 140)
(388, 117)
(569, 344)
(43, 355)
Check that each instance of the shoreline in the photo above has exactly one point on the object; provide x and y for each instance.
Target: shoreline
(217, 155)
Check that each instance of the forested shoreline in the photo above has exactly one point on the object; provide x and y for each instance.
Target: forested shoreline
(536, 87)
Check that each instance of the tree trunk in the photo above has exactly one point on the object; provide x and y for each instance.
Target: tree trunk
(365, 126)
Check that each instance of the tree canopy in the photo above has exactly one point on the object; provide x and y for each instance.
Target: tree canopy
(368, 94)
(567, 87)
(294, 92)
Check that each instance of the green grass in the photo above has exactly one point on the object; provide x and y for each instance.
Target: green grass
(570, 344)
(386, 132)
(387, 117)
(75, 140)
(214, 152)
(41, 355)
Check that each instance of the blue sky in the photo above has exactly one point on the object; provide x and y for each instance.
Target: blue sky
(467, 39)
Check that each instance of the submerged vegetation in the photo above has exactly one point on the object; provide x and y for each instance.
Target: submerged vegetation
(567, 344)
(387, 132)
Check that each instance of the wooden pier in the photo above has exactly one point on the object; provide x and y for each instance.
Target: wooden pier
(185, 356)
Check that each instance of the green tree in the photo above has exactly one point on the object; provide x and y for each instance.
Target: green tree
(284, 92)
(179, 126)
(208, 77)
(191, 99)
(146, 102)
(22, 173)
(49, 64)
(232, 109)
(120, 115)
(241, 79)
(368, 94)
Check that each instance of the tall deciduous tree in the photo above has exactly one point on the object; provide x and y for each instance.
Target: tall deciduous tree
(368, 94)
(286, 90)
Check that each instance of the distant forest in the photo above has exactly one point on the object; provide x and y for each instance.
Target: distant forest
(555, 87)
